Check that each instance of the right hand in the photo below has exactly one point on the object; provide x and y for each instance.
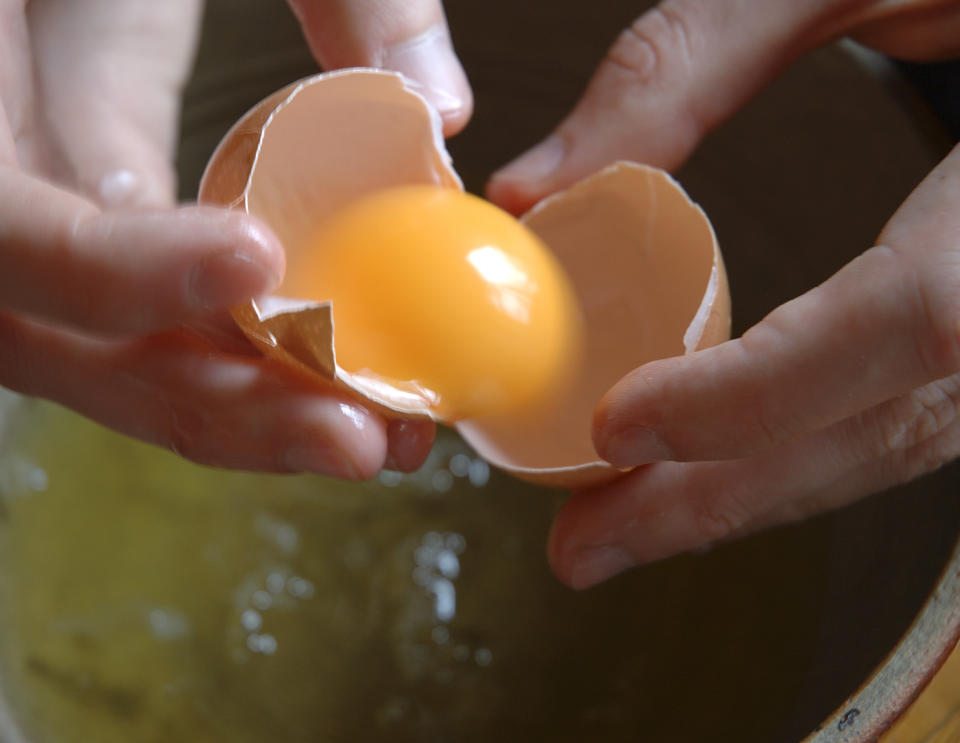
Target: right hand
(685, 66)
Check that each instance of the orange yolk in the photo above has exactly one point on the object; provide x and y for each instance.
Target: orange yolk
(441, 292)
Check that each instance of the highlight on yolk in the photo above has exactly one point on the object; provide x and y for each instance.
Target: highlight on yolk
(441, 292)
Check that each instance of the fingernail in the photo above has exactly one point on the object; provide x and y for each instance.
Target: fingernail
(634, 446)
(123, 188)
(429, 60)
(118, 187)
(227, 278)
(536, 164)
(406, 447)
(595, 564)
(320, 461)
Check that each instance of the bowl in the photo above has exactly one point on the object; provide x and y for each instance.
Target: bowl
(145, 598)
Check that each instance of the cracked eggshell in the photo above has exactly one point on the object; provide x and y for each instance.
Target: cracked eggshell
(648, 273)
(642, 257)
(300, 155)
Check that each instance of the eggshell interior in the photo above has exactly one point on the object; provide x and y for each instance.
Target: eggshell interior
(644, 262)
(299, 156)
(365, 133)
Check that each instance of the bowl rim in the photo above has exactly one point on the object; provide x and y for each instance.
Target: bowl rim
(900, 678)
(897, 681)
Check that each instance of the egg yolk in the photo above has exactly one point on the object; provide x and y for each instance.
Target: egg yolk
(443, 293)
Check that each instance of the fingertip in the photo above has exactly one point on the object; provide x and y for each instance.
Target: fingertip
(521, 183)
(244, 260)
(411, 38)
(363, 439)
(408, 444)
(579, 564)
(124, 188)
(456, 120)
(517, 199)
(609, 423)
(256, 240)
(596, 564)
(342, 439)
(431, 64)
(631, 446)
(627, 428)
(319, 460)
(600, 427)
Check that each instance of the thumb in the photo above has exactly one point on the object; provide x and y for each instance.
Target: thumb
(409, 37)
(677, 72)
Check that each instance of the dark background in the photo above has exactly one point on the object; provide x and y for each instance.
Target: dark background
(939, 84)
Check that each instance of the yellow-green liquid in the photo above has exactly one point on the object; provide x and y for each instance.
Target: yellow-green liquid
(146, 600)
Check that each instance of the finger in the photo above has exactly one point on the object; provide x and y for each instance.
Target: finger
(17, 105)
(409, 37)
(61, 259)
(408, 440)
(220, 329)
(885, 323)
(109, 77)
(669, 508)
(408, 443)
(676, 73)
(180, 392)
(924, 31)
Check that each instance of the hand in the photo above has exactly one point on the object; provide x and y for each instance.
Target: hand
(112, 301)
(846, 390)
(686, 66)
(410, 37)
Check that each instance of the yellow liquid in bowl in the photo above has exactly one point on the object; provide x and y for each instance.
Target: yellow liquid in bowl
(144, 600)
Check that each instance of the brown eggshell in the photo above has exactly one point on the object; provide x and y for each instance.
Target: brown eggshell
(297, 157)
(645, 264)
(641, 255)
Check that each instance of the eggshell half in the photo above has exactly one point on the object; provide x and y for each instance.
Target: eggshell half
(645, 264)
(641, 255)
(297, 157)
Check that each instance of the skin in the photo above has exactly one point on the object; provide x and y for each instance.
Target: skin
(113, 299)
(871, 357)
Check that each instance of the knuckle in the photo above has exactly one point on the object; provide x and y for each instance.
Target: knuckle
(721, 516)
(636, 53)
(771, 420)
(928, 458)
(932, 296)
(919, 415)
(938, 300)
(941, 450)
(919, 432)
(912, 423)
(653, 44)
(905, 465)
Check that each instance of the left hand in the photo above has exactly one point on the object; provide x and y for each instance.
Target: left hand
(846, 390)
